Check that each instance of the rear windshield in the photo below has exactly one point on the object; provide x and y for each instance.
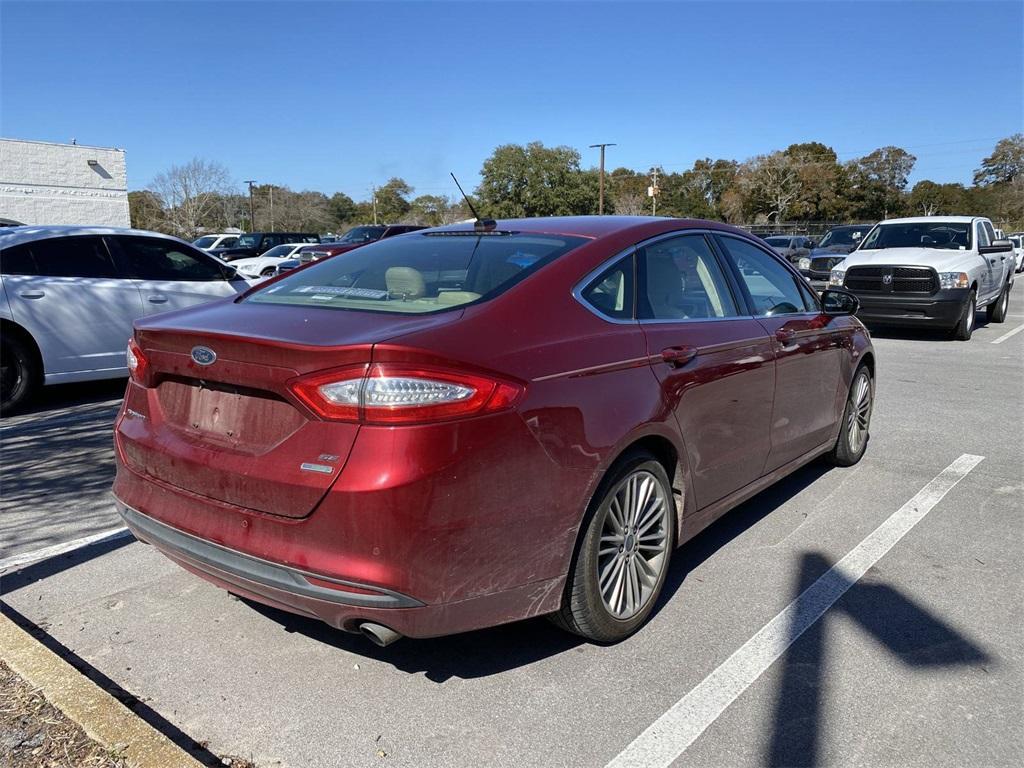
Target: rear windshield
(842, 237)
(419, 273)
(205, 241)
(948, 235)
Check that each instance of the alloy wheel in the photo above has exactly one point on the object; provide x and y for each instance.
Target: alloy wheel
(632, 550)
(860, 414)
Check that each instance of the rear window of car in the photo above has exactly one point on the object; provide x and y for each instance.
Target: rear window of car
(420, 273)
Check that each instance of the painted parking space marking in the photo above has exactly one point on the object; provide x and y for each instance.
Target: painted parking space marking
(17, 561)
(672, 733)
(1008, 334)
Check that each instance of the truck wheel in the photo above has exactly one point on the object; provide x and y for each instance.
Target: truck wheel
(996, 311)
(965, 327)
(19, 374)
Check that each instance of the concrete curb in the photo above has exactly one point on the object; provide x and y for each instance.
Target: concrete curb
(99, 714)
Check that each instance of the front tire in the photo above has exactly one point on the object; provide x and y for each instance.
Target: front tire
(965, 326)
(853, 434)
(621, 561)
(996, 311)
(19, 374)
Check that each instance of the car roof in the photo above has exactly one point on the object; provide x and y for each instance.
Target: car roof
(594, 226)
(11, 236)
(933, 219)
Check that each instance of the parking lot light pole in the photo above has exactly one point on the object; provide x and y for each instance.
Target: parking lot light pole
(252, 215)
(600, 188)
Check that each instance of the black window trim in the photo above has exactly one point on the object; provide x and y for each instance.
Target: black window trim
(747, 298)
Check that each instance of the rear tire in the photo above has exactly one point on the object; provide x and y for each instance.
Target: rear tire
(965, 326)
(622, 557)
(19, 372)
(854, 431)
(996, 311)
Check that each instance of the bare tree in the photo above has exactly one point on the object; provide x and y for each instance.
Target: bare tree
(772, 183)
(629, 203)
(191, 194)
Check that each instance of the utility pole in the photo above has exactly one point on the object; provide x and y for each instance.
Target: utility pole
(373, 191)
(652, 191)
(600, 194)
(271, 207)
(252, 215)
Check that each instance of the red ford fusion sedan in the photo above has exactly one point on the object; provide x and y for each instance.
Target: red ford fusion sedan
(461, 427)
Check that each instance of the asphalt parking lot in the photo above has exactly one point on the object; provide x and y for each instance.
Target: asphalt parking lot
(919, 661)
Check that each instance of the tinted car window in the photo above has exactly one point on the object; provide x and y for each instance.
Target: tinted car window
(989, 231)
(611, 292)
(773, 288)
(84, 256)
(152, 258)
(17, 260)
(681, 279)
(420, 273)
(228, 242)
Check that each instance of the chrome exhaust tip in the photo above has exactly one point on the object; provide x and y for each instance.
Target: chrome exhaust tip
(378, 635)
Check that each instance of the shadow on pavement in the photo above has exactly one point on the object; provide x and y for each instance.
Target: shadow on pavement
(67, 396)
(44, 569)
(893, 620)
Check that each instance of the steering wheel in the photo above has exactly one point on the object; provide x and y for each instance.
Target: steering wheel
(785, 308)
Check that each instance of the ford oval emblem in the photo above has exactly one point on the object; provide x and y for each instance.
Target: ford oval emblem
(204, 355)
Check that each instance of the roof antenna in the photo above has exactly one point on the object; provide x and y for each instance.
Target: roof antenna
(481, 225)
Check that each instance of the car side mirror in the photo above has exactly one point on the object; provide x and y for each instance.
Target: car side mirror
(999, 246)
(837, 302)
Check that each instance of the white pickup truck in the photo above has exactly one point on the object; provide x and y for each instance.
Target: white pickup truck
(932, 271)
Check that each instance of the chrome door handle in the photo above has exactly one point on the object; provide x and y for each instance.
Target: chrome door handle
(677, 357)
(157, 299)
(31, 294)
(785, 334)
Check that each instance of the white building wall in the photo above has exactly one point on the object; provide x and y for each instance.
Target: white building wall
(43, 183)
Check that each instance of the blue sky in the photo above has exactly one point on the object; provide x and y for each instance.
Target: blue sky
(342, 95)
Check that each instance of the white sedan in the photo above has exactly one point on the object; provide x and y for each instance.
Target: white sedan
(265, 265)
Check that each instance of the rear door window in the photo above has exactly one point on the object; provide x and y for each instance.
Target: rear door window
(79, 256)
(153, 258)
(17, 260)
(681, 279)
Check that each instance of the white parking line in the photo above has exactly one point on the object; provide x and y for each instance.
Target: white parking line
(16, 561)
(672, 733)
(1008, 334)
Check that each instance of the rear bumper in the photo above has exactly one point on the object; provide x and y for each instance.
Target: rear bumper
(940, 310)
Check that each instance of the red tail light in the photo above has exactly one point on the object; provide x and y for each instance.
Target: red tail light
(392, 394)
(138, 365)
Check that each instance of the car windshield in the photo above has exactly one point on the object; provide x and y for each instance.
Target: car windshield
(362, 235)
(279, 251)
(205, 241)
(949, 235)
(842, 237)
(420, 274)
(778, 242)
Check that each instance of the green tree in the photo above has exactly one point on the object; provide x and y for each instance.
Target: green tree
(534, 180)
(392, 201)
(145, 211)
(929, 199)
(818, 181)
(878, 182)
(1005, 164)
(342, 209)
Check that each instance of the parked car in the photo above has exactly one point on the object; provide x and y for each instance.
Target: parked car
(930, 271)
(209, 242)
(831, 250)
(1017, 240)
(395, 441)
(257, 243)
(70, 295)
(354, 238)
(791, 247)
(266, 265)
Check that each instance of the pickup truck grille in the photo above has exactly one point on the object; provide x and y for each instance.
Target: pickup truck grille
(917, 280)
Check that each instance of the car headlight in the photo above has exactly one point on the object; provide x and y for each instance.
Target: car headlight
(804, 263)
(835, 277)
(954, 280)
